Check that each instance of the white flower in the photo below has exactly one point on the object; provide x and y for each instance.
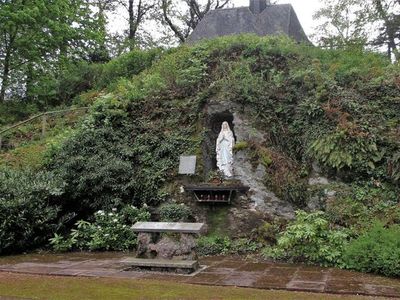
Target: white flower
(123, 226)
(114, 209)
(110, 214)
(145, 205)
(106, 234)
(115, 220)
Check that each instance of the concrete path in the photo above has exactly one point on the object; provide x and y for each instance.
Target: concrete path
(223, 271)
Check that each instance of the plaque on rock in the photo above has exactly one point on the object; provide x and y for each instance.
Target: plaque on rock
(187, 165)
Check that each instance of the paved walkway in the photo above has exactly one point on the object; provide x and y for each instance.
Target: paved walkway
(224, 271)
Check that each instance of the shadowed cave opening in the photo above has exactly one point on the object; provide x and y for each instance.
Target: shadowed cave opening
(213, 124)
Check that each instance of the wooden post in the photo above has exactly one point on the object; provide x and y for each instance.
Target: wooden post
(44, 123)
(1, 141)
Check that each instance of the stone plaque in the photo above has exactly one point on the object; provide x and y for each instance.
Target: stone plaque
(187, 164)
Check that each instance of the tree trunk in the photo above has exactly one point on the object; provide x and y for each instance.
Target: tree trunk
(29, 82)
(5, 75)
(171, 25)
(390, 30)
(132, 25)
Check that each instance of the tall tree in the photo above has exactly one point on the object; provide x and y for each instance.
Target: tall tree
(363, 22)
(102, 9)
(341, 24)
(183, 16)
(386, 15)
(37, 39)
(136, 12)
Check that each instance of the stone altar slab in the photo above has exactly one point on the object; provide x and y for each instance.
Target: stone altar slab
(168, 227)
(187, 165)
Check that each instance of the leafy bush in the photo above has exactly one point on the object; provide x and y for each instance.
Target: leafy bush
(96, 166)
(340, 150)
(354, 204)
(217, 245)
(308, 238)
(174, 212)
(375, 251)
(110, 230)
(28, 208)
(213, 245)
(125, 66)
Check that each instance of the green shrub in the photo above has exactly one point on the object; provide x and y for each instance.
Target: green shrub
(267, 233)
(339, 150)
(376, 251)
(110, 230)
(174, 212)
(213, 245)
(28, 209)
(354, 204)
(218, 245)
(125, 66)
(309, 239)
(96, 166)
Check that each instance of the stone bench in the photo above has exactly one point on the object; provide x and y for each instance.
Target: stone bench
(166, 245)
(194, 228)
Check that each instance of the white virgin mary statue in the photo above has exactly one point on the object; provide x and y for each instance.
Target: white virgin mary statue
(224, 150)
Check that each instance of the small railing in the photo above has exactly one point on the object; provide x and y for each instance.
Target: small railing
(44, 121)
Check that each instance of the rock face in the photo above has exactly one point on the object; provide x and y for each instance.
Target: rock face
(259, 197)
(262, 199)
(181, 246)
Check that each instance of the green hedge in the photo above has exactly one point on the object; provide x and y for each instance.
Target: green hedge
(28, 211)
(375, 251)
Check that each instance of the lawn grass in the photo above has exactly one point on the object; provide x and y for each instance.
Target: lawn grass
(58, 287)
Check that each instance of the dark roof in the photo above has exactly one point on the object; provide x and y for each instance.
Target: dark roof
(272, 20)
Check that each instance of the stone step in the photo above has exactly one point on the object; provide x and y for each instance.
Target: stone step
(160, 263)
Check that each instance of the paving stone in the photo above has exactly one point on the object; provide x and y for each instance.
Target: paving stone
(271, 282)
(310, 276)
(300, 285)
(314, 269)
(68, 272)
(345, 287)
(254, 267)
(233, 264)
(284, 272)
(99, 273)
(245, 279)
(7, 267)
(206, 278)
(129, 274)
(165, 276)
(210, 260)
(217, 270)
(37, 270)
(388, 291)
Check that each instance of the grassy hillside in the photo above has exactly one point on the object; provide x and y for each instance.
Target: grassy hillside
(337, 108)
